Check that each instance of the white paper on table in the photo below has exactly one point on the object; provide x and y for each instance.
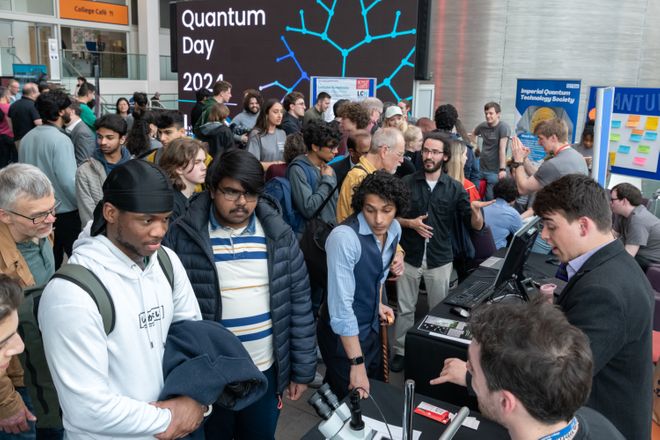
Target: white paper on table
(469, 422)
(381, 429)
(492, 263)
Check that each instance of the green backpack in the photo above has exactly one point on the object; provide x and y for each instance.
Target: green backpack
(37, 376)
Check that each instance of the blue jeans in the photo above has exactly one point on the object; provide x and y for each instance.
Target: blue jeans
(31, 433)
(491, 179)
(541, 246)
(256, 422)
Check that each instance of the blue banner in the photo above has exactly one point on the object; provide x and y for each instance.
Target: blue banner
(631, 100)
(542, 99)
(25, 73)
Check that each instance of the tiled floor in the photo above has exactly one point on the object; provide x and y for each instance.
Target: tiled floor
(297, 418)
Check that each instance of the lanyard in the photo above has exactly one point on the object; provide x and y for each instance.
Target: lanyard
(565, 433)
(562, 148)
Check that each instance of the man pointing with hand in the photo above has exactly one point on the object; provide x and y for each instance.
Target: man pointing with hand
(436, 201)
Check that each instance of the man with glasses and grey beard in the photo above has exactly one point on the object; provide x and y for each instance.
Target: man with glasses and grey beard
(27, 215)
(248, 273)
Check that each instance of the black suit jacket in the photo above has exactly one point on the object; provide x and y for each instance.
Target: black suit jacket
(611, 301)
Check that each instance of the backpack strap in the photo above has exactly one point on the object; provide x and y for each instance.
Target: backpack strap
(311, 178)
(90, 283)
(166, 264)
(309, 173)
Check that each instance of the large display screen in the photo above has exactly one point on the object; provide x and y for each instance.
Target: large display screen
(277, 46)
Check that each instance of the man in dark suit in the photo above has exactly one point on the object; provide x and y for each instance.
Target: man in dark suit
(358, 145)
(84, 139)
(607, 296)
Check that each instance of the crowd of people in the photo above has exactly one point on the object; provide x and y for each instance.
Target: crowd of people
(216, 227)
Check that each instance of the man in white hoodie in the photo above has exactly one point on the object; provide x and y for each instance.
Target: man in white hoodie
(108, 386)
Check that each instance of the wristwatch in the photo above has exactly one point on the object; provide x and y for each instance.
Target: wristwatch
(356, 360)
(502, 169)
(516, 164)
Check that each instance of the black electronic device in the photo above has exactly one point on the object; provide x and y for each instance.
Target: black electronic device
(510, 278)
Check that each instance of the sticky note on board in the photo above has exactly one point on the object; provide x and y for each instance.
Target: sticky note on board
(652, 123)
(633, 121)
(616, 124)
(640, 132)
(635, 137)
(644, 149)
(615, 137)
(640, 161)
(623, 149)
(651, 136)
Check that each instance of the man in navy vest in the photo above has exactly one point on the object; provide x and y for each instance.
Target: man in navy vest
(359, 253)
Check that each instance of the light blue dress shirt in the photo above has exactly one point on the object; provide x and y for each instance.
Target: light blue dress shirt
(343, 253)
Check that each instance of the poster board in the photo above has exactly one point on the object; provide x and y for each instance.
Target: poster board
(634, 132)
(541, 99)
(353, 89)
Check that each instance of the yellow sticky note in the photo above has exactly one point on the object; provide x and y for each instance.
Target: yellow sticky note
(652, 123)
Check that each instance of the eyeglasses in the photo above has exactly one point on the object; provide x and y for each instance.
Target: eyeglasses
(432, 152)
(398, 153)
(232, 195)
(39, 218)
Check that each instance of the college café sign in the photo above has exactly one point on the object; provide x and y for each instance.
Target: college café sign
(94, 11)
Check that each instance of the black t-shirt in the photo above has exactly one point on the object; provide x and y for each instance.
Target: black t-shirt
(593, 426)
(23, 113)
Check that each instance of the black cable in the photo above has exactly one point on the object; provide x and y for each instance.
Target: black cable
(382, 416)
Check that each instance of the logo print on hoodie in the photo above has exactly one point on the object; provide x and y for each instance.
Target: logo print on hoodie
(149, 318)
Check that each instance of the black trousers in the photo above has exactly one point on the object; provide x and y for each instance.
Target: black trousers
(67, 228)
(8, 152)
(337, 373)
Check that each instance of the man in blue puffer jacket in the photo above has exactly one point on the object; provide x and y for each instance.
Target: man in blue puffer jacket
(248, 273)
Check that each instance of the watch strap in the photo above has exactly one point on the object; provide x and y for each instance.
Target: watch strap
(356, 360)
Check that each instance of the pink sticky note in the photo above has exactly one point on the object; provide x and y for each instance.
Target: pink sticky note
(641, 161)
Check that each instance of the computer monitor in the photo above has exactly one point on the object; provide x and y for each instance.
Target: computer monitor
(519, 249)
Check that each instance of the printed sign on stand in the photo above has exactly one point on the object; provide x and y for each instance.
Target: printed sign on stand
(539, 100)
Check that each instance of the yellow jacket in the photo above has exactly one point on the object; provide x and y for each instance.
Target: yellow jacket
(353, 179)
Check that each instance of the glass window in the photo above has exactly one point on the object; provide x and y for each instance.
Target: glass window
(34, 6)
(77, 60)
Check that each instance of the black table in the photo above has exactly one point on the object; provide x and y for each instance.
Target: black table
(425, 354)
(390, 400)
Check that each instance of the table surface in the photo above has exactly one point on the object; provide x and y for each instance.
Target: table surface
(390, 400)
(425, 354)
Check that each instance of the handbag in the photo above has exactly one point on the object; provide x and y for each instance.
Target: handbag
(312, 245)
